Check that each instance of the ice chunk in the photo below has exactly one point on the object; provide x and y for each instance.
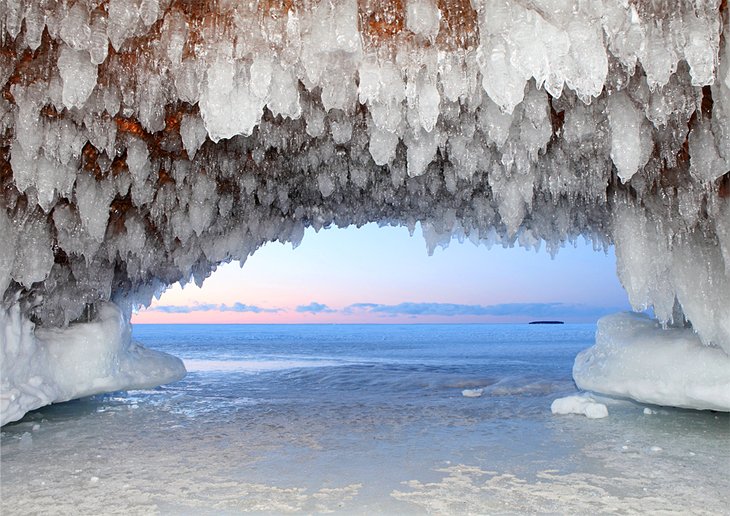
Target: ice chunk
(53, 179)
(382, 146)
(193, 134)
(688, 274)
(341, 129)
(261, 70)
(188, 82)
(472, 393)
(502, 81)
(93, 200)
(581, 405)
(658, 56)
(33, 254)
(494, 123)
(706, 163)
(75, 27)
(423, 17)
(138, 160)
(625, 122)
(98, 40)
(78, 74)
(315, 123)
(699, 51)
(588, 62)
(326, 183)
(421, 152)
(149, 11)
(176, 30)
(284, 99)
(7, 251)
(202, 209)
(429, 102)
(35, 22)
(123, 17)
(227, 105)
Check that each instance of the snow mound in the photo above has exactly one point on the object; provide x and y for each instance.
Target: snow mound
(581, 405)
(635, 358)
(50, 365)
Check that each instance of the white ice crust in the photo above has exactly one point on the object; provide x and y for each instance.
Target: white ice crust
(635, 357)
(39, 366)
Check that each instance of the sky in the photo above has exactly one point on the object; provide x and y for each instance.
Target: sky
(384, 275)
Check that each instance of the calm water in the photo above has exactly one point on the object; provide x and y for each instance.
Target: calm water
(363, 419)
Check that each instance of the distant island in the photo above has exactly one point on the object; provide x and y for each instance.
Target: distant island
(547, 322)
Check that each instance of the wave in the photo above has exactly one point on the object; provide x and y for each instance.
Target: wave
(254, 366)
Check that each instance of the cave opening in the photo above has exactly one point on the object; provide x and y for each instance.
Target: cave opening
(385, 274)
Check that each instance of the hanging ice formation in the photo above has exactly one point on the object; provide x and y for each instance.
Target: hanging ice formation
(142, 142)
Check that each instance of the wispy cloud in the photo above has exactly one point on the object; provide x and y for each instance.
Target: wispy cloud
(536, 310)
(315, 308)
(241, 307)
(412, 309)
(211, 307)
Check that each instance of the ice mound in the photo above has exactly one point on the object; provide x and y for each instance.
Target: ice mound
(49, 365)
(143, 143)
(581, 405)
(634, 357)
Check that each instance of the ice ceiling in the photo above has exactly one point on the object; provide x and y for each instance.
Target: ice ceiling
(142, 142)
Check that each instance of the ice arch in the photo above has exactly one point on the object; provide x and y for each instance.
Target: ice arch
(144, 141)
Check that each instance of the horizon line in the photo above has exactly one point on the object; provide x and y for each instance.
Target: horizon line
(472, 323)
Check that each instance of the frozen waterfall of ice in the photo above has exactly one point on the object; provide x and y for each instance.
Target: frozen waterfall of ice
(143, 143)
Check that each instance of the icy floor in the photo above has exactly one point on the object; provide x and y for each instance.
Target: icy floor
(151, 452)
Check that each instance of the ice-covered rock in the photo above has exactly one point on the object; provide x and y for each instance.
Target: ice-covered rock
(143, 142)
(635, 357)
(40, 366)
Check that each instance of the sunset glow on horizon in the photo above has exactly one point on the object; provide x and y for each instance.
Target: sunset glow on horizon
(383, 275)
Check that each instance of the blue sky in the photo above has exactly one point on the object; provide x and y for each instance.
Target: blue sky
(377, 274)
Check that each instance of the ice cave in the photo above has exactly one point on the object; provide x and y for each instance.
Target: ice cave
(144, 142)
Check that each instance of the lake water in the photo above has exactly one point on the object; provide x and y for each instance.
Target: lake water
(363, 419)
